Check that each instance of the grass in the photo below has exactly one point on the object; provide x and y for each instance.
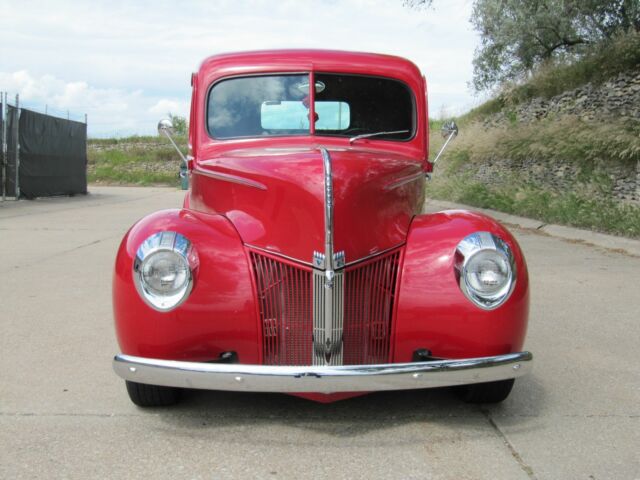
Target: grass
(133, 140)
(567, 138)
(569, 208)
(133, 161)
(593, 147)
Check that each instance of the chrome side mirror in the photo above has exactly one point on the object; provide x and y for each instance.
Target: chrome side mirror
(449, 128)
(449, 131)
(165, 127)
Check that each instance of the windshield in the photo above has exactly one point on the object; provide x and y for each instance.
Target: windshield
(375, 105)
(345, 105)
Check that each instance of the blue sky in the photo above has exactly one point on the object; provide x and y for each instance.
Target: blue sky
(126, 64)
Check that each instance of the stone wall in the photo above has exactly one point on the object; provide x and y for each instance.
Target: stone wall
(619, 180)
(618, 98)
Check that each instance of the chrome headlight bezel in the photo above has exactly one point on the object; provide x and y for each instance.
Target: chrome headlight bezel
(490, 245)
(176, 245)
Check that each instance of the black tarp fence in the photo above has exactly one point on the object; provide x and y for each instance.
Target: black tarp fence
(9, 159)
(52, 154)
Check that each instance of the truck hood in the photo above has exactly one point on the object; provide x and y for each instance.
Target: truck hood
(275, 198)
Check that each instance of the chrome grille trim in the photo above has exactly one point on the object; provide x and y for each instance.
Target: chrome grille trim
(278, 255)
(328, 317)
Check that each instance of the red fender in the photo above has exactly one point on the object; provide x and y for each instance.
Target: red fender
(219, 315)
(433, 313)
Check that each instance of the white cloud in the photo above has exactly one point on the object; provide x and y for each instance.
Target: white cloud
(115, 109)
(125, 62)
(165, 106)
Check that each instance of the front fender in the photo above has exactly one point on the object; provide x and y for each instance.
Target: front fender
(433, 313)
(220, 313)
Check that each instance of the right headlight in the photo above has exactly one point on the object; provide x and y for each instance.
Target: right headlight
(485, 269)
(163, 270)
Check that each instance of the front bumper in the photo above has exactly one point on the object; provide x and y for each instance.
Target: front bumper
(315, 379)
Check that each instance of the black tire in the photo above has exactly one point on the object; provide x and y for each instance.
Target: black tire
(491, 392)
(145, 395)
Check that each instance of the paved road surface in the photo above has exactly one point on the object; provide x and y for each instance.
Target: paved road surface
(64, 413)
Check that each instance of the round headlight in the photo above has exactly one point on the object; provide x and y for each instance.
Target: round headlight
(486, 269)
(163, 270)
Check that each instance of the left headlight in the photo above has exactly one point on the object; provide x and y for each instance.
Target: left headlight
(163, 270)
(485, 269)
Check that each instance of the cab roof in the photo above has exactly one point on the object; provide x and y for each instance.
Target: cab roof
(309, 60)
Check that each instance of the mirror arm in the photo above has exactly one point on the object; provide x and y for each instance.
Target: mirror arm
(451, 135)
(184, 159)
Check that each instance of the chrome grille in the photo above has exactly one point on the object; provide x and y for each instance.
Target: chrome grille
(369, 299)
(284, 297)
(291, 297)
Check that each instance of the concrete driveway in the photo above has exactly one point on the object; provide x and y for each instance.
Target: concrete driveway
(65, 414)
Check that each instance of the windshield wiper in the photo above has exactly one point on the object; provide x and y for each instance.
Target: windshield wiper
(375, 134)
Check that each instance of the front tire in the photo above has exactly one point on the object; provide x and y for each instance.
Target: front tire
(144, 395)
(490, 392)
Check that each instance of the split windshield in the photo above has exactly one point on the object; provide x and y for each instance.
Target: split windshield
(345, 105)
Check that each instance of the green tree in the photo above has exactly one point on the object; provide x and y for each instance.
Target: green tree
(180, 125)
(516, 36)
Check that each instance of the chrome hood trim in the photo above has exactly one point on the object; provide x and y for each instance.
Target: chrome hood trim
(328, 260)
(328, 285)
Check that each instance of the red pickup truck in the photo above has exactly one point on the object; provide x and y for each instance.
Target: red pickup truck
(300, 261)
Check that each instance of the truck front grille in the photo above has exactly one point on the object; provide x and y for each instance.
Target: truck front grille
(288, 294)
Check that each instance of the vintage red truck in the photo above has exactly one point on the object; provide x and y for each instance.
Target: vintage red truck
(300, 261)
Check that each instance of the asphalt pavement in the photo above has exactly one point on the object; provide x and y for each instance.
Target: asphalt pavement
(65, 414)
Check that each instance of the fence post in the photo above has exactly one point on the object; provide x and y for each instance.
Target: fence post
(17, 140)
(3, 114)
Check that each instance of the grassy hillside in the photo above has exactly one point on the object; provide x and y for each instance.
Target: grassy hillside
(590, 150)
(590, 146)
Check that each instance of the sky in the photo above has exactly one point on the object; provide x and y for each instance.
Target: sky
(127, 64)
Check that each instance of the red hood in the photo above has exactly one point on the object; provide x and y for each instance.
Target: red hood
(281, 206)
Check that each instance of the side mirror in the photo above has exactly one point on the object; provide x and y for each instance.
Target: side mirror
(449, 128)
(449, 131)
(165, 127)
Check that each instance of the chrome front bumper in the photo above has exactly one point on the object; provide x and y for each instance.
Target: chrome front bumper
(351, 378)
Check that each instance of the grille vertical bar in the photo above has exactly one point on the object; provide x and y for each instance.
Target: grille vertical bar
(327, 353)
(290, 297)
